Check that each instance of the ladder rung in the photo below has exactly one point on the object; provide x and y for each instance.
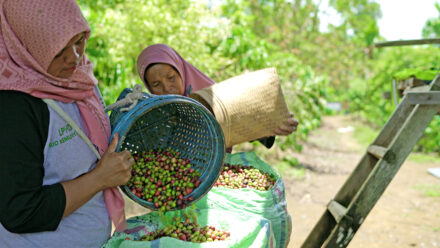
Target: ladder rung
(431, 97)
(377, 151)
(337, 210)
(424, 88)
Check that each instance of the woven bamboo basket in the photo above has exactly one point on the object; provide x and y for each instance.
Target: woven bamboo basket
(248, 107)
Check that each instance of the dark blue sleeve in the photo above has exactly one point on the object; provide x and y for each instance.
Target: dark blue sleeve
(267, 141)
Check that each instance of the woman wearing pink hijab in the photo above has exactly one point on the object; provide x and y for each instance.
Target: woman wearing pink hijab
(164, 71)
(54, 192)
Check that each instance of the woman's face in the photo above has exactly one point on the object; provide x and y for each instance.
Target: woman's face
(65, 62)
(163, 79)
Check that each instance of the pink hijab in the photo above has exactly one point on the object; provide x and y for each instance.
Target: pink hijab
(192, 78)
(32, 33)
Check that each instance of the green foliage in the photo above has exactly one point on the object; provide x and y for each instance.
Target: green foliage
(431, 138)
(122, 29)
(365, 96)
(360, 18)
(221, 42)
(226, 38)
(432, 26)
(419, 73)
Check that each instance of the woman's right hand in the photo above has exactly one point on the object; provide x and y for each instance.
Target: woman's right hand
(289, 126)
(114, 168)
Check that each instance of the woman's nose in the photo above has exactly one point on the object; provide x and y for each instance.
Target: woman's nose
(167, 87)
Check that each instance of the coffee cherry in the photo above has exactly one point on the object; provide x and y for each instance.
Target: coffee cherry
(188, 230)
(240, 176)
(165, 175)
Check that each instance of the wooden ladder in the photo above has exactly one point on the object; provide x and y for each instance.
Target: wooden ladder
(363, 188)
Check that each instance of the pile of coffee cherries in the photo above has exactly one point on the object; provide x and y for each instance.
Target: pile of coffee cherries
(163, 178)
(188, 231)
(241, 176)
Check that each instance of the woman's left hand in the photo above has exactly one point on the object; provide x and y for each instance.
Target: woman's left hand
(288, 127)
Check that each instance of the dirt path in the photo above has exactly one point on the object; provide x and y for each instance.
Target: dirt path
(404, 216)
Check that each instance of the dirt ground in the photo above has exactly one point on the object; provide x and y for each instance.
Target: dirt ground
(404, 216)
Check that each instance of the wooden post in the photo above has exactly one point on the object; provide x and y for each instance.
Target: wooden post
(407, 42)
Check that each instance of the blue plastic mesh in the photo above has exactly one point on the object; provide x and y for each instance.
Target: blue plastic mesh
(176, 122)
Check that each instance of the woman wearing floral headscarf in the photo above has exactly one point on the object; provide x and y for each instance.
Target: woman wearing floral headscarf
(54, 191)
(164, 71)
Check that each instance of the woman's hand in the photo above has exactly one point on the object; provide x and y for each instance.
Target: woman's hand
(288, 127)
(114, 168)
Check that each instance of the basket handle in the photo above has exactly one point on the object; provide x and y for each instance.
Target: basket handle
(131, 98)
